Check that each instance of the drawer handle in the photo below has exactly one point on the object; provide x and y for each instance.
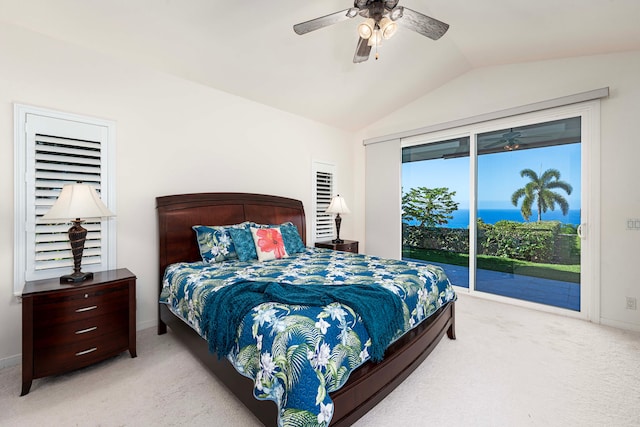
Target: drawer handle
(80, 310)
(82, 353)
(84, 331)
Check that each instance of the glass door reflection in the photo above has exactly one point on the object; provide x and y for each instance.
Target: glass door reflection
(528, 213)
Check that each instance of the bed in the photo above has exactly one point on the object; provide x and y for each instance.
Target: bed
(365, 386)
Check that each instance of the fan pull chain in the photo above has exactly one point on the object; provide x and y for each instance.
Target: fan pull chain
(377, 34)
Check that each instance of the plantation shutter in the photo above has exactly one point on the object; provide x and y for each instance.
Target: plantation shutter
(324, 223)
(56, 152)
(59, 161)
(324, 185)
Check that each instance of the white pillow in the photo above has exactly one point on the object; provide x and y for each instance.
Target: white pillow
(269, 243)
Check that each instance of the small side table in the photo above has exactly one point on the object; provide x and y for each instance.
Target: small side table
(70, 326)
(346, 246)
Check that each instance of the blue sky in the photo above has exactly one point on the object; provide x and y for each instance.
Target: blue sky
(498, 174)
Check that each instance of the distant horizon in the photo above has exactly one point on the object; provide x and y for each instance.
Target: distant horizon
(491, 216)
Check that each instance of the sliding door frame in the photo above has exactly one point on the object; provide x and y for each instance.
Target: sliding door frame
(589, 112)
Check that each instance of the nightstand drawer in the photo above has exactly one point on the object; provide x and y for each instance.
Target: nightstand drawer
(350, 247)
(345, 246)
(81, 330)
(78, 305)
(75, 355)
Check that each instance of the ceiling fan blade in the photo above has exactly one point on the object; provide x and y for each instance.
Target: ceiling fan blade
(511, 135)
(423, 24)
(362, 51)
(325, 21)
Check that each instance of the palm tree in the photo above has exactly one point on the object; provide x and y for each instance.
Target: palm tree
(540, 190)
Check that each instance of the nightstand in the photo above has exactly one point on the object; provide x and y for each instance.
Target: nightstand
(346, 246)
(67, 326)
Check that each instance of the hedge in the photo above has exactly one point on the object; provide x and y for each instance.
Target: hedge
(529, 241)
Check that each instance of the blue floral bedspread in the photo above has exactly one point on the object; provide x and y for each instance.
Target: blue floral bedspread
(297, 354)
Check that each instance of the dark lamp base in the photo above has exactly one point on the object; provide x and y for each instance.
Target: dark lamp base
(76, 277)
(337, 241)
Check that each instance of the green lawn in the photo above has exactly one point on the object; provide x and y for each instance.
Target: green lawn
(565, 273)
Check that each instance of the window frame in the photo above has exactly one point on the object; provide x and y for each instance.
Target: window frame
(24, 230)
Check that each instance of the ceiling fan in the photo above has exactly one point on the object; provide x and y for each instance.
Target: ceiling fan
(381, 23)
(511, 140)
(524, 136)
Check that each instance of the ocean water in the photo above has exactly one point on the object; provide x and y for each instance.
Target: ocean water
(491, 216)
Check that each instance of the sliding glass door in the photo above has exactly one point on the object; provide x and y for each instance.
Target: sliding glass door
(436, 205)
(501, 207)
(528, 213)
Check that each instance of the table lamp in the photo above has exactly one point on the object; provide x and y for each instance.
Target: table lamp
(338, 206)
(77, 202)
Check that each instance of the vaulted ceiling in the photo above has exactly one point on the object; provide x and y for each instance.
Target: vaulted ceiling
(248, 47)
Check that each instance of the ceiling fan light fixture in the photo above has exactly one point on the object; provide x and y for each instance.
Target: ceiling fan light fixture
(388, 28)
(366, 28)
(380, 18)
(375, 39)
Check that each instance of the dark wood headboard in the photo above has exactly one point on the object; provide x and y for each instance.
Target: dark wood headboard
(178, 213)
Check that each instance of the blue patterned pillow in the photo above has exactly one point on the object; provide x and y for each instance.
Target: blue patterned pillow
(291, 237)
(215, 242)
(243, 241)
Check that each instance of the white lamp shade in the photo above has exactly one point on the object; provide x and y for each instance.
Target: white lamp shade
(388, 28)
(338, 206)
(375, 39)
(78, 201)
(365, 29)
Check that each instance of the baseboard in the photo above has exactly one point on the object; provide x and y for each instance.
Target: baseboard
(620, 325)
(146, 324)
(11, 361)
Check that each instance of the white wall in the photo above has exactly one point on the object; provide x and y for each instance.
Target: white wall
(173, 136)
(496, 88)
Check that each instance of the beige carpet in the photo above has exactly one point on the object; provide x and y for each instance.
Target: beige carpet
(509, 367)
